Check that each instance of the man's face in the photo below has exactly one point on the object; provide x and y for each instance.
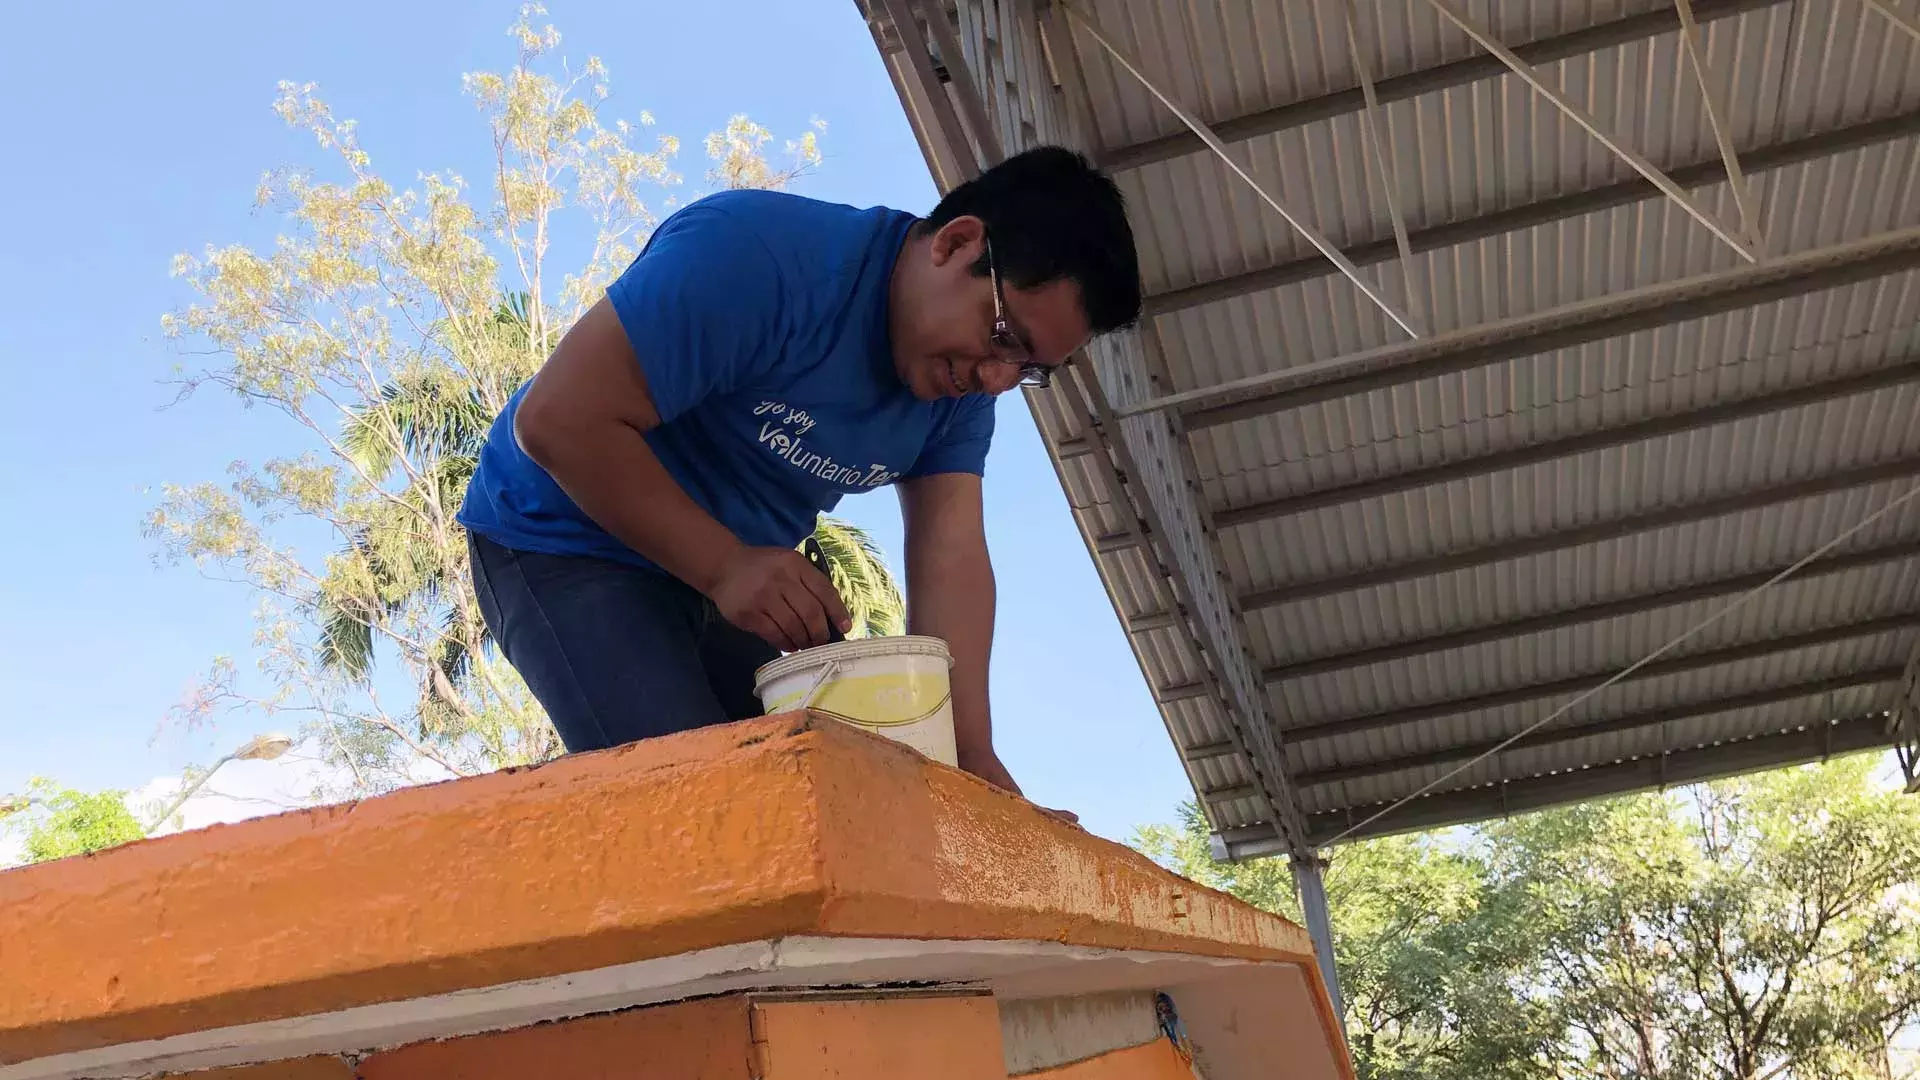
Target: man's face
(944, 339)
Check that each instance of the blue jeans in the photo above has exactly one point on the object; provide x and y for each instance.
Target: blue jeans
(613, 652)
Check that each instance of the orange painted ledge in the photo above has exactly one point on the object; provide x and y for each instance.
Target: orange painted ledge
(774, 828)
(1156, 1060)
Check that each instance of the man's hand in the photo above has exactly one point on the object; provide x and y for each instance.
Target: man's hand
(777, 594)
(987, 766)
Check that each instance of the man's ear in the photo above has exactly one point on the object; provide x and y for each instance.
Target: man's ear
(964, 238)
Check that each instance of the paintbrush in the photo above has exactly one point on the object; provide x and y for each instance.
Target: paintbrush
(818, 557)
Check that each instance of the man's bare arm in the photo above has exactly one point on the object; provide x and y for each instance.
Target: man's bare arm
(950, 595)
(584, 420)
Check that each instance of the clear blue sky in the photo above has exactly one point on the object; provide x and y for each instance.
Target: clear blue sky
(139, 132)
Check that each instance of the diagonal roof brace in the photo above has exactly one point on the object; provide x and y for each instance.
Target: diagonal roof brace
(1562, 327)
(1639, 721)
(1754, 160)
(1212, 141)
(1905, 22)
(1383, 155)
(1814, 742)
(1432, 710)
(1463, 72)
(1720, 119)
(1580, 116)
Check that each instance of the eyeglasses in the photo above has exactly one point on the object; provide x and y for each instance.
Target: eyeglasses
(1008, 346)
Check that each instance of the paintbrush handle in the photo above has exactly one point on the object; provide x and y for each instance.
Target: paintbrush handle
(818, 557)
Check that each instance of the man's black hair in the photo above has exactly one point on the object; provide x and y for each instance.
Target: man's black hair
(1050, 215)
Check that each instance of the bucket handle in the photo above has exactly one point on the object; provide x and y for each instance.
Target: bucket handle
(819, 683)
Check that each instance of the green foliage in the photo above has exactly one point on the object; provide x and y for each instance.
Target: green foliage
(1760, 928)
(59, 822)
(859, 571)
(389, 325)
(1757, 925)
(1423, 964)
(1265, 883)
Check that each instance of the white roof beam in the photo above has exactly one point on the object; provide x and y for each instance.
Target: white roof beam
(1206, 134)
(1874, 677)
(1547, 211)
(1592, 127)
(1818, 741)
(1374, 119)
(1652, 662)
(1720, 119)
(1433, 80)
(1594, 319)
(1897, 17)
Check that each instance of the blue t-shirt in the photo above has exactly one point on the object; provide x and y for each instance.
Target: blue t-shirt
(760, 320)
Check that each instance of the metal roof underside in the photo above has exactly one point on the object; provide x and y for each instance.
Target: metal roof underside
(1352, 560)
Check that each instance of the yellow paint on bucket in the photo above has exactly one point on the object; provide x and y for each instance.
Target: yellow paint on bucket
(892, 686)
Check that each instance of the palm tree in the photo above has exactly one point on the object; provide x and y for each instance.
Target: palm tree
(859, 572)
(430, 424)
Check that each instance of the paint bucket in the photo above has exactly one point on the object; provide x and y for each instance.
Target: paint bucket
(892, 686)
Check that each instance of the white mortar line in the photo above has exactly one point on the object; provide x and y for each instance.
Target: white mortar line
(787, 963)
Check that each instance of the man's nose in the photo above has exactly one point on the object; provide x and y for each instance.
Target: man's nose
(996, 377)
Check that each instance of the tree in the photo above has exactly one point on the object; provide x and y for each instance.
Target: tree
(59, 822)
(1425, 960)
(1759, 928)
(860, 575)
(390, 326)
(446, 423)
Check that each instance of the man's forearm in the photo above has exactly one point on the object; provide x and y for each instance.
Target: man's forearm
(953, 599)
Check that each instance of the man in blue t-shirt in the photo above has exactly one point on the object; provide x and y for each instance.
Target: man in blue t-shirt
(635, 513)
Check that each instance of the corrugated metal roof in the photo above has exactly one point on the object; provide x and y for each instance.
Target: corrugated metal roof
(1346, 594)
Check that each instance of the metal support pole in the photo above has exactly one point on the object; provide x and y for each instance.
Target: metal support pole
(1903, 722)
(1313, 902)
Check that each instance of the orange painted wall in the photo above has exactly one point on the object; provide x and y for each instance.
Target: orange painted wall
(935, 1037)
(597, 859)
(696, 1040)
(1153, 1061)
(940, 1038)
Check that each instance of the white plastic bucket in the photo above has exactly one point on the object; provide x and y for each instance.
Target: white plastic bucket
(892, 686)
